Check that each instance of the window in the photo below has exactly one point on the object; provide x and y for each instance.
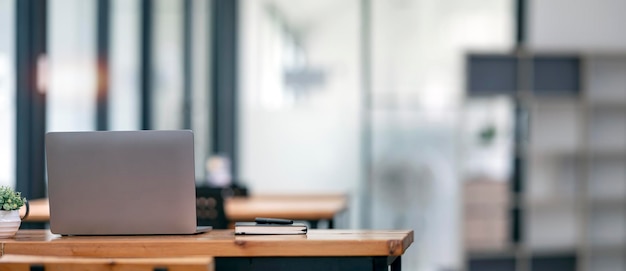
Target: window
(71, 97)
(7, 93)
(124, 94)
(167, 75)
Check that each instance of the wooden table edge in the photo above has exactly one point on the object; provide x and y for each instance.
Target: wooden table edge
(395, 244)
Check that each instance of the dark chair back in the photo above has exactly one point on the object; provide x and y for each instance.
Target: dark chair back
(210, 207)
(238, 190)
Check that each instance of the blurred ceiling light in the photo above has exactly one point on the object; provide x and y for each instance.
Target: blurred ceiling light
(42, 74)
(72, 79)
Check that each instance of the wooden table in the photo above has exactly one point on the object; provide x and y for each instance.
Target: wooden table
(317, 250)
(312, 208)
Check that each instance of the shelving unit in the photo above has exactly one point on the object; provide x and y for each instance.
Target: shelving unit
(568, 186)
(606, 159)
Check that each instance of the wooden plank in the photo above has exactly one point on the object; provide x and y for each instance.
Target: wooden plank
(52, 263)
(298, 207)
(304, 207)
(217, 243)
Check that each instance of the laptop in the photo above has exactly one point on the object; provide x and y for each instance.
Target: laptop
(121, 183)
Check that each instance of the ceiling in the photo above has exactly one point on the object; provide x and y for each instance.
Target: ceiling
(303, 14)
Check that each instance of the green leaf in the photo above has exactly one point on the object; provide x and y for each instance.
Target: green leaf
(10, 200)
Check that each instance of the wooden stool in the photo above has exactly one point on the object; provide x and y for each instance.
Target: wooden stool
(52, 263)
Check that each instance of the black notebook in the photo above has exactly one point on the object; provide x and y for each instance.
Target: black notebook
(259, 228)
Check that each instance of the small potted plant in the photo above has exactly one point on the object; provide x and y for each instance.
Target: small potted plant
(10, 204)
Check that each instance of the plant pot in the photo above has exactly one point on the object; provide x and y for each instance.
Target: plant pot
(9, 223)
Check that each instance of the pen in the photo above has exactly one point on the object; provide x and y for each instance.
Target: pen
(265, 220)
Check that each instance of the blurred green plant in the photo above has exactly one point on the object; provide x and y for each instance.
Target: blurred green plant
(487, 135)
(10, 200)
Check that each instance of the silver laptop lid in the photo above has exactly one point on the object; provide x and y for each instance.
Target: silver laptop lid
(121, 182)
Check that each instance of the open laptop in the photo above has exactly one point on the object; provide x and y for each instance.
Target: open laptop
(121, 182)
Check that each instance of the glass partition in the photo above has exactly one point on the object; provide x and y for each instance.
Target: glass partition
(7, 93)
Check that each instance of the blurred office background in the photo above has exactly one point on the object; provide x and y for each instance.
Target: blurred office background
(496, 129)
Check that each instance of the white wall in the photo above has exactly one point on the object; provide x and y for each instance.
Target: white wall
(577, 25)
(308, 145)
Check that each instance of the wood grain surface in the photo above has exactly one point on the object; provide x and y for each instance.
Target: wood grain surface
(218, 243)
(12, 262)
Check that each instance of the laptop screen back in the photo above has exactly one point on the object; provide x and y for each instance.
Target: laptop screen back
(121, 182)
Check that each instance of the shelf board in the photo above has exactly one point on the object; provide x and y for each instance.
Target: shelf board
(546, 252)
(507, 252)
(606, 248)
(619, 151)
(603, 54)
(513, 250)
(552, 202)
(572, 201)
(609, 201)
(605, 104)
(534, 151)
(556, 95)
(555, 99)
(579, 152)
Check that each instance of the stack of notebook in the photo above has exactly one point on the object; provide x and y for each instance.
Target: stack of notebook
(270, 226)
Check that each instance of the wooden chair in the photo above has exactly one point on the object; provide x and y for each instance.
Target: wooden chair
(52, 263)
